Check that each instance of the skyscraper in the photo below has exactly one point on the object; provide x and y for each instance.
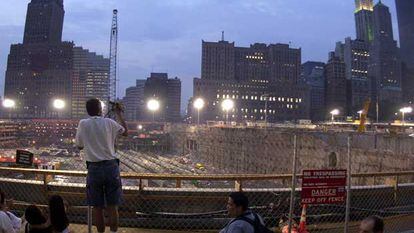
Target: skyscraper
(385, 63)
(44, 22)
(90, 80)
(405, 11)
(364, 20)
(44, 68)
(355, 54)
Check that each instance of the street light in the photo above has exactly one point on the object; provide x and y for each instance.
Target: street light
(404, 111)
(153, 105)
(227, 105)
(9, 103)
(198, 104)
(334, 113)
(139, 127)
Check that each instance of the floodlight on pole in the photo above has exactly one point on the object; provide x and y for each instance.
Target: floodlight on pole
(153, 105)
(9, 103)
(227, 105)
(404, 111)
(59, 104)
(198, 104)
(334, 113)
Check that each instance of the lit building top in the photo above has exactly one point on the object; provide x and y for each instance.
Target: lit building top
(364, 5)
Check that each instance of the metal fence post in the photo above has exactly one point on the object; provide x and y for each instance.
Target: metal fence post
(292, 193)
(89, 219)
(348, 189)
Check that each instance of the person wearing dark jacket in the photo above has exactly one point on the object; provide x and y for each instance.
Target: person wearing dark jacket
(237, 206)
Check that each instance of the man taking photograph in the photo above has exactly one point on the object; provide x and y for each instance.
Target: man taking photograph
(96, 136)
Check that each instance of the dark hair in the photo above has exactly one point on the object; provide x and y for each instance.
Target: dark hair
(2, 198)
(57, 213)
(34, 215)
(378, 223)
(239, 199)
(94, 107)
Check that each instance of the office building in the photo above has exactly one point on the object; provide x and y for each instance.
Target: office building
(44, 22)
(364, 20)
(134, 102)
(44, 69)
(90, 80)
(355, 54)
(385, 64)
(335, 85)
(405, 12)
(168, 92)
(262, 80)
(313, 74)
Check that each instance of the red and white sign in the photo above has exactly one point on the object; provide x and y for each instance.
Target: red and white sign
(323, 187)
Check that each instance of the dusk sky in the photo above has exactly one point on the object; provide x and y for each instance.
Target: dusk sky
(166, 35)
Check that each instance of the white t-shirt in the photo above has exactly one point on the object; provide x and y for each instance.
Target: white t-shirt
(97, 136)
(9, 223)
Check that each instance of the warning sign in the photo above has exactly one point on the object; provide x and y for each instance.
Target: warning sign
(323, 186)
(24, 157)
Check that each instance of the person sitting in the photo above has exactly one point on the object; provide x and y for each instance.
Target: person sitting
(57, 214)
(9, 223)
(36, 221)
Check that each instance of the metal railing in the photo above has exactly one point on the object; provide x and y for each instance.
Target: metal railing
(184, 207)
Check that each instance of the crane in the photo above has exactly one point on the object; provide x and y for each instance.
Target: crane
(113, 56)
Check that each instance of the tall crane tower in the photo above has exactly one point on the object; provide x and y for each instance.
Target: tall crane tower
(113, 57)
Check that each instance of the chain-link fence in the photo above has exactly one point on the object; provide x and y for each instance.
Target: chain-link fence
(187, 192)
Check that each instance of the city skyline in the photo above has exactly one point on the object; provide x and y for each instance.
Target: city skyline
(177, 40)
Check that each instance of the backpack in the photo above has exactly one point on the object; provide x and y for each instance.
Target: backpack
(257, 225)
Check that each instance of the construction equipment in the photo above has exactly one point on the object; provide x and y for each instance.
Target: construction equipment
(364, 113)
(113, 56)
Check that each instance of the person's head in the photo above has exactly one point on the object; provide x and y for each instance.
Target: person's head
(94, 107)
(34, 216)
(372, 224)
(237, 204)
(57, 212)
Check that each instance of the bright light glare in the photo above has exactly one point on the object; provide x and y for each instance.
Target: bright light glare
(199, 103)
(227, 104)
(59, 104)
(406, 110)
(8, 103)
(335, 112)
(153, 105)
(139, 127)
(103, 104)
